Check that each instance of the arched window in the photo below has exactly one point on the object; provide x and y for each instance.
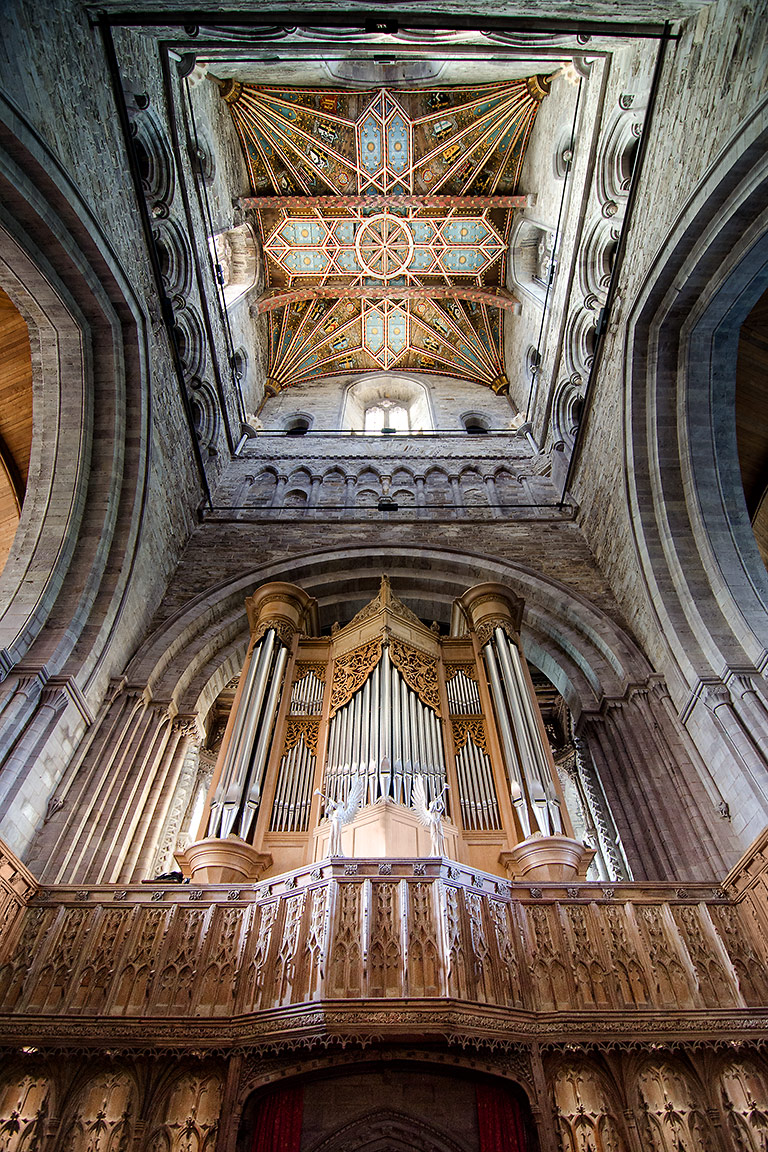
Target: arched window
(387, 404)
(474, 423)
(236, 260)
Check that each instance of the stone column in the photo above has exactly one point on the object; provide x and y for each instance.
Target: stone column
(349, 493)
(279, 493)
(314, 492)
(666, 821)
(493, 498)
(458, 499)
(745, 745)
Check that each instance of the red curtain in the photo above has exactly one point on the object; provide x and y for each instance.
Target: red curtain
(278, 1121)
(500, 1121)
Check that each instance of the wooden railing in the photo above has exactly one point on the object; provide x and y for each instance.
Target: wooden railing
(365, 947)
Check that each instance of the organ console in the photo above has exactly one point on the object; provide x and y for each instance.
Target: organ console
(373, 724)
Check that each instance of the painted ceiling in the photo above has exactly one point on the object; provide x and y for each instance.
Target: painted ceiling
(385, 220)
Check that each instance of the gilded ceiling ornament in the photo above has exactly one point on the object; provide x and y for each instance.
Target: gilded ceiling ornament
(351, 671)
(419, 670)
(379, 199)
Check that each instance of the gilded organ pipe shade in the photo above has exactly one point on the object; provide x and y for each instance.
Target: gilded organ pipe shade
(386, 733)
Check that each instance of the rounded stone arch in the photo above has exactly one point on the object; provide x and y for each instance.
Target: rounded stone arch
(205, 414)
(706, 585)
(585, 653)
(89, 345)
(597, 259)
(404, 389)
(580, 342)
(190, 340)
(567, 407)
(617, 158)
(154, 159)
(175, 256)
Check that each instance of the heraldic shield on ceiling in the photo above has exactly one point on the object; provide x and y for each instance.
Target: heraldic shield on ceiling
(385, 219)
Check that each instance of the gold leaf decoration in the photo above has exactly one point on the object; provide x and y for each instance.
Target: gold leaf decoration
(419, 670)
(464, 729)
(302, 729)
(351, 671)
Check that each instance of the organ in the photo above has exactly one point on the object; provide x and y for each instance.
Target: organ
(374, 723)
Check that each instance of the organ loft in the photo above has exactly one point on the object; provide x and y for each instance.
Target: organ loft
(383, 586)
(369, 729)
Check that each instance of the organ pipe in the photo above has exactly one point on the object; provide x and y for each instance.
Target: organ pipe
(388, 734)
(256, 774)
(512, 762)
(239, 789)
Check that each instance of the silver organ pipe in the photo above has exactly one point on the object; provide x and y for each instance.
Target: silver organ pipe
(388, 734)
(256, 774)
(235, 742)
(239, 786)
(307, 695)
(514, 771)
(535, 764)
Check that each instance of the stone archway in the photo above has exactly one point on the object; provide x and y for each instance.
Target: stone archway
(386, 1130)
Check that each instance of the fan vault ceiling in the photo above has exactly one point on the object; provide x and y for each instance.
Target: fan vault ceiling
(385, 217)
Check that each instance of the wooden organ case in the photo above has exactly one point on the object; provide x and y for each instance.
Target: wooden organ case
(378, 727)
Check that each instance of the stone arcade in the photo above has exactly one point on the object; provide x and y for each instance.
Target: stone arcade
(384, 617)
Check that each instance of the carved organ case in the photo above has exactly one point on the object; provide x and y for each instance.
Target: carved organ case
(382, 723)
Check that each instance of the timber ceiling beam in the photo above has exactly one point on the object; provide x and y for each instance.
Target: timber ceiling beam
(273, 299)
(311, 203)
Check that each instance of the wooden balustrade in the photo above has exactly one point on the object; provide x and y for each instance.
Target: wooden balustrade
(361, 947)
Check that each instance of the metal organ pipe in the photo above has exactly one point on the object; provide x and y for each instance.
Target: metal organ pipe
(510, 754)
(386, 733)
(256, 774)
(230, 792)
(535, 763)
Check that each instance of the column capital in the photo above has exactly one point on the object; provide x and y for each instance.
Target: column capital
(491, 605)
(284, 607)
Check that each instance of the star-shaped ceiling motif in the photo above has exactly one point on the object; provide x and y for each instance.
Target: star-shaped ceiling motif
(385, 220)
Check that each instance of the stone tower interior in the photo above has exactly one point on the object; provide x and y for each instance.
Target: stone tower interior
(384, 604)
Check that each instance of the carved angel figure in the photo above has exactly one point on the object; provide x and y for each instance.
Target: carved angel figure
(339, 814)
(430, 815)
